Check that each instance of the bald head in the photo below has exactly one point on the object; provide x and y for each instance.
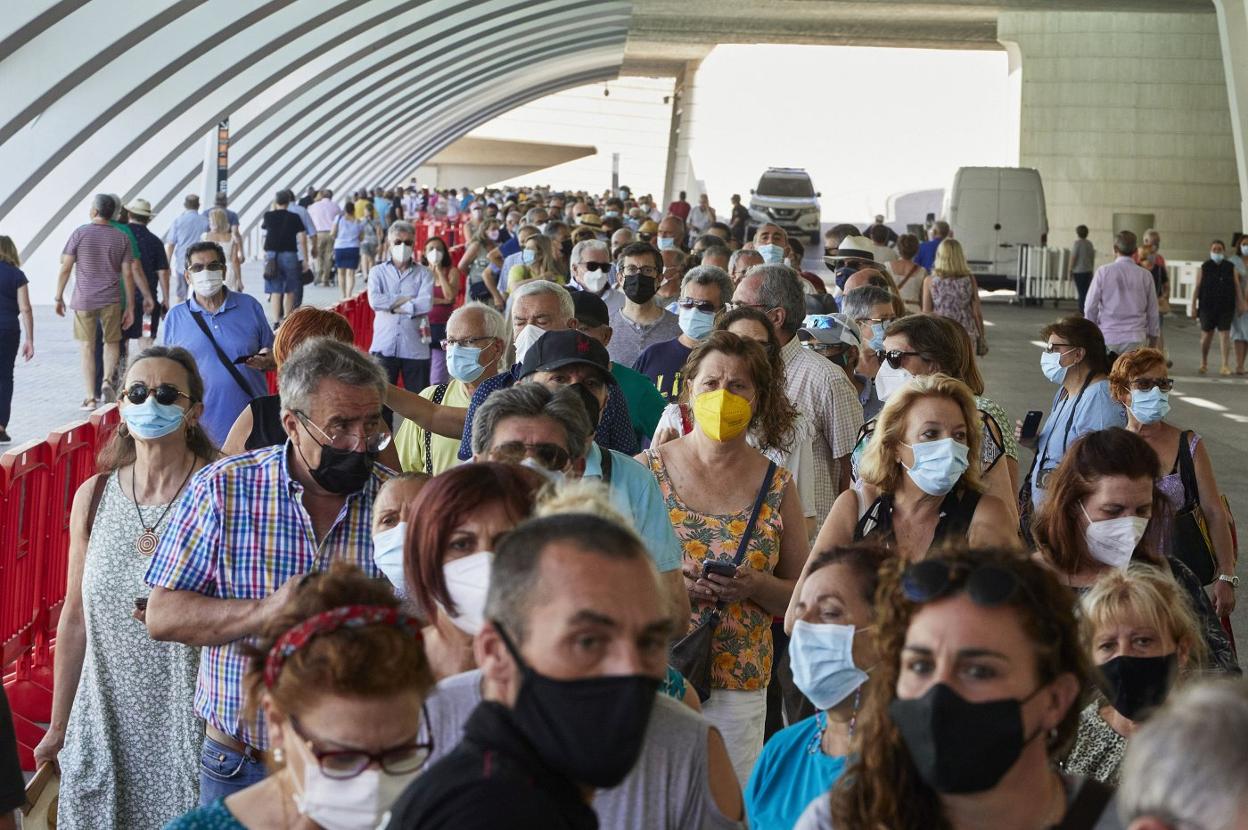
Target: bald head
(867, 276)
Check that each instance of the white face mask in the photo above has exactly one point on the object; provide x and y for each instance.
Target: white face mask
(594, 281)
(357, 803)
(467, 582)
(528, 335)
(207, 283)
(433, 256)
(400, 252)
(1112, 541)
(888, 380)
(388, 554)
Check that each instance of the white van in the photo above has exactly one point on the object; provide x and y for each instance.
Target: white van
(992, 211)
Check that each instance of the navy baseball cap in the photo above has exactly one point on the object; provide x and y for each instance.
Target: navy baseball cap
(564, 348)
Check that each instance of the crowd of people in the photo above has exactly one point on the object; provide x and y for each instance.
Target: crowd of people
(623, 520)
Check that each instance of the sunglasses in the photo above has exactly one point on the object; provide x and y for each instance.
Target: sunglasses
(597, 266)
(701, 305)
(165, 394)
(209, 266)
(551, 456)
(1145, 384)
(895, 356)
(987, 585)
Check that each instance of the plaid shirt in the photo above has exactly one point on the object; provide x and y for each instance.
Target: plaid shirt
(820, 390)
(239, 532)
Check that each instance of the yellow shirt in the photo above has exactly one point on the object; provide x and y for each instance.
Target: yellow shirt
(410, 439)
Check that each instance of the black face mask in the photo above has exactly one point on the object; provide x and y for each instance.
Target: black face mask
(566, 247)
(589, 731)
(640, 289)
(1137, 685)
(342, 472)
(959, 746)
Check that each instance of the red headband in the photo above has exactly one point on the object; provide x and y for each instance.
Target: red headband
(346, 616)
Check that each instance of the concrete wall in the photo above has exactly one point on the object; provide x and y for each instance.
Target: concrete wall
(1127, 113)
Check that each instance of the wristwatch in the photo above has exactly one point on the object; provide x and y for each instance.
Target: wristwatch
(1234, 580)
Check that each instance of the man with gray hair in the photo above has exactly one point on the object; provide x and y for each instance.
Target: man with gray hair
(814, 386)
(1185, 767)
(400, 291)
(1122, 300)
(590, 263)
(704, 292)
(250, 527)
(741, 261)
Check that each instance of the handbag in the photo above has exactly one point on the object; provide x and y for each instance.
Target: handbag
(1190, 540)
(691, 655)
(270, 268)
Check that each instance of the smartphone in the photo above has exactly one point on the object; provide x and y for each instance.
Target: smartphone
(1031, 424)
(244, 358)
(140, 603)
(720, 568)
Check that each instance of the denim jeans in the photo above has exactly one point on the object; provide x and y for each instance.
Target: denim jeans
(224, 771)
(10, 340)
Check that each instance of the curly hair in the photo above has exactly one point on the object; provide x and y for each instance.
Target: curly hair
(773, 413)
(1131, 365)
(881, 787)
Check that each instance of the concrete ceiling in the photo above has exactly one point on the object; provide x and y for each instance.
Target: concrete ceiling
(665, 34)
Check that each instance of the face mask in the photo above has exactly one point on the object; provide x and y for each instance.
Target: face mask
(528, 255)
(151, 420)
(1151, 406)
(1243, 249)
(555, 477)
(528, 335)
(594, 281)
(771, 254)
(1113, 541)
(1051, 365)
(1217, 258)
(357, 803)
(400, 253)
(433, 256)
(937, 465)
(467, 581)
(721, 414)
(696, 325)
(591, 731)
(463, 363)
(492, 234)
(1137, 685)
(959, 746)
(388, 554)
(610, 214)
(888, 380)
(667, 243)
(343, 471)
(822, 658)
(207, 283)
(877, 337)
(640, 289)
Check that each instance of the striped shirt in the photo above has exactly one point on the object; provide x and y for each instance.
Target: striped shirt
(239, 532)
(99, 252)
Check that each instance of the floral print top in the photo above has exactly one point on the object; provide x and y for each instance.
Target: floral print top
(741, 650)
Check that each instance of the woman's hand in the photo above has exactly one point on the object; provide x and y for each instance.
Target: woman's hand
(1223, 598)
(732, 589)
(1029, 443)
(664, 434)
(28, 350)
(695, 586)
(49, 748)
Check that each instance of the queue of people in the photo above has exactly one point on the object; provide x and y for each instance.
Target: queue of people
(810, 591)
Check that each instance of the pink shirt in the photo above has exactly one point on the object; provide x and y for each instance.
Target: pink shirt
(323, 213)
(1122, 300)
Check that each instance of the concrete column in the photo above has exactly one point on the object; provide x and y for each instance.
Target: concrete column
(1233, 33)
(680, 173)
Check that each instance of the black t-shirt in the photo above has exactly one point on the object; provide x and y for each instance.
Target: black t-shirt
(492, 779)
(11, 279)
(12, 784)
(1217, 286)
(283, 229)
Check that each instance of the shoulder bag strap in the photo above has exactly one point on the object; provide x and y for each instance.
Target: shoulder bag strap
(606, 465)
(758, 506)
(439, 392)
(225, 361)
(1088, 806)
(1187, 471)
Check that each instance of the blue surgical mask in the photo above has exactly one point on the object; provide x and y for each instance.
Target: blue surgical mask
(1217, 257)
(822, 658)
(528, 255)
(667, 243)
(388, 554)
(463, 363)
(151, 420)
(771, 254)
(937, 465)
(1151, 406)
(877, 337)
(1051, 365)
(696, 325)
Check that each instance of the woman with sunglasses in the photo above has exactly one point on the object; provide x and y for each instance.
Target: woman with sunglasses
(1103, 512)
(123, 728)
(1140, 382)
(341, 677)
(446, 282)
(1141, 632)
(972, 701)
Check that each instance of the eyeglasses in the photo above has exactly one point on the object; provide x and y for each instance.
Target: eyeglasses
(341, 437)
(1145, 384)
(733, 306)
(343, 764)
(165, 394)
(874, 320)
(643, 272)
(196, 267)
(463, 341)
(596, 266)
(1056, 348)
(986, 585)
(895, 356)
(822, 348)
(701, 305)
(551, 456)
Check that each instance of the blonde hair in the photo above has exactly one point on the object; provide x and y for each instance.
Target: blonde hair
(1150, 595)
(879, 462)
(579, 496)
(950, 260)
(8, 252)
(218, 221)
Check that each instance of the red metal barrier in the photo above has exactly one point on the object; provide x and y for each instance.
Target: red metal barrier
(74, 449)
(106, 419)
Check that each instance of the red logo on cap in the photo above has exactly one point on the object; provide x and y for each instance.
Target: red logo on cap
(582, 344)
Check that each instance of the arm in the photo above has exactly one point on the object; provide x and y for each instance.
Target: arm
(422, 303)
(71, 629)
(194, 619)
(62, 280)
(127, 294)
(302, 242)
(236, 441)
(838, 529)
(976, 308)
(236, 260)
(927, 295)
(1195, 304)
(447, 421)
(470, 253)
(1150, 313)
(379, 295)
(1092, 304)
(724, 788)
(163, 275)
(28, 321)
(491, 283)
(991, 526)
(1219, 529)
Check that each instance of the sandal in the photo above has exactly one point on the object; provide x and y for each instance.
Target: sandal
(1203, 370)
(107, 393)
(1224, 371)
(88, 404)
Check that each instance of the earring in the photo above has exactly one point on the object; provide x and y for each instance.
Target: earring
(278, 756)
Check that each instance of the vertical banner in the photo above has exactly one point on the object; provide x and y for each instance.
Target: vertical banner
(223, 155)
(615, 173)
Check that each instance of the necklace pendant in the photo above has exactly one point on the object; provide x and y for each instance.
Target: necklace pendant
(146, 543)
